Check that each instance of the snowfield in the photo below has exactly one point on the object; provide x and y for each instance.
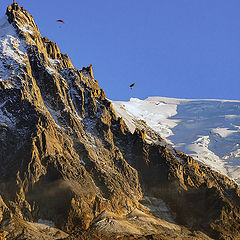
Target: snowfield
(13, 54)
(208, 130)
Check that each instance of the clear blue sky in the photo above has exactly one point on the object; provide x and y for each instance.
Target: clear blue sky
(171, 48)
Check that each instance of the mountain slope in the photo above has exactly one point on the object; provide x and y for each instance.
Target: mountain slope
(68, 162)
(208, 130)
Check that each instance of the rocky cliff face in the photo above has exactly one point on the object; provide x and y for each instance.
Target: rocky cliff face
(68, 161)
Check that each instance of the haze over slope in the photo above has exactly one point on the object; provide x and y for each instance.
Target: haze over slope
(208, 130)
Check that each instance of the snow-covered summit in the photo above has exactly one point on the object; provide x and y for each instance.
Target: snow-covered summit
(208, 130)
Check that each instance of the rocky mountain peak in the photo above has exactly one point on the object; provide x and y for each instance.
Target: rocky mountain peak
(24, 24)
(61, 143)
(19, 16)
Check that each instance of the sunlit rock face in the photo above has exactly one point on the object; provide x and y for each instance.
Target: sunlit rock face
(70, 168)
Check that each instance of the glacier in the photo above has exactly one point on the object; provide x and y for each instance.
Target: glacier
(208, 130)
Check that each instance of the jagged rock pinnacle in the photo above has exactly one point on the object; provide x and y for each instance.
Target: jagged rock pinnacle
(14, 11)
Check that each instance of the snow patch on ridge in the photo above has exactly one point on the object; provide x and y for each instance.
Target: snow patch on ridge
(6, 118)
(155, 113)
(26, 28)
(223, 132)
(13, 54)
(51, 71)
(199, 150)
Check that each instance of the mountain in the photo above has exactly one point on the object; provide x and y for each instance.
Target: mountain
(71, 168)
(208, 130)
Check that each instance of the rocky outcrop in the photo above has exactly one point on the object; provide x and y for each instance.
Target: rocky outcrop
(201, 198)
(68, 159)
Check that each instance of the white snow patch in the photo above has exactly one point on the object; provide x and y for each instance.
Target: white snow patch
(231, 116)
(54, 62)
(223, 132)
(6, 118)
(199, 150)
(50, 70)
(13, 53)
(155, 113)
(26, 28)
(73, 93)
(158, 208)
(83, 162)
(55, 115)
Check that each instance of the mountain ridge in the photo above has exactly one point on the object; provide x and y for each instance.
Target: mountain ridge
(68, 162)
(206, 129)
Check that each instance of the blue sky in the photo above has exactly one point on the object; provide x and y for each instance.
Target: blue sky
(170, 48)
